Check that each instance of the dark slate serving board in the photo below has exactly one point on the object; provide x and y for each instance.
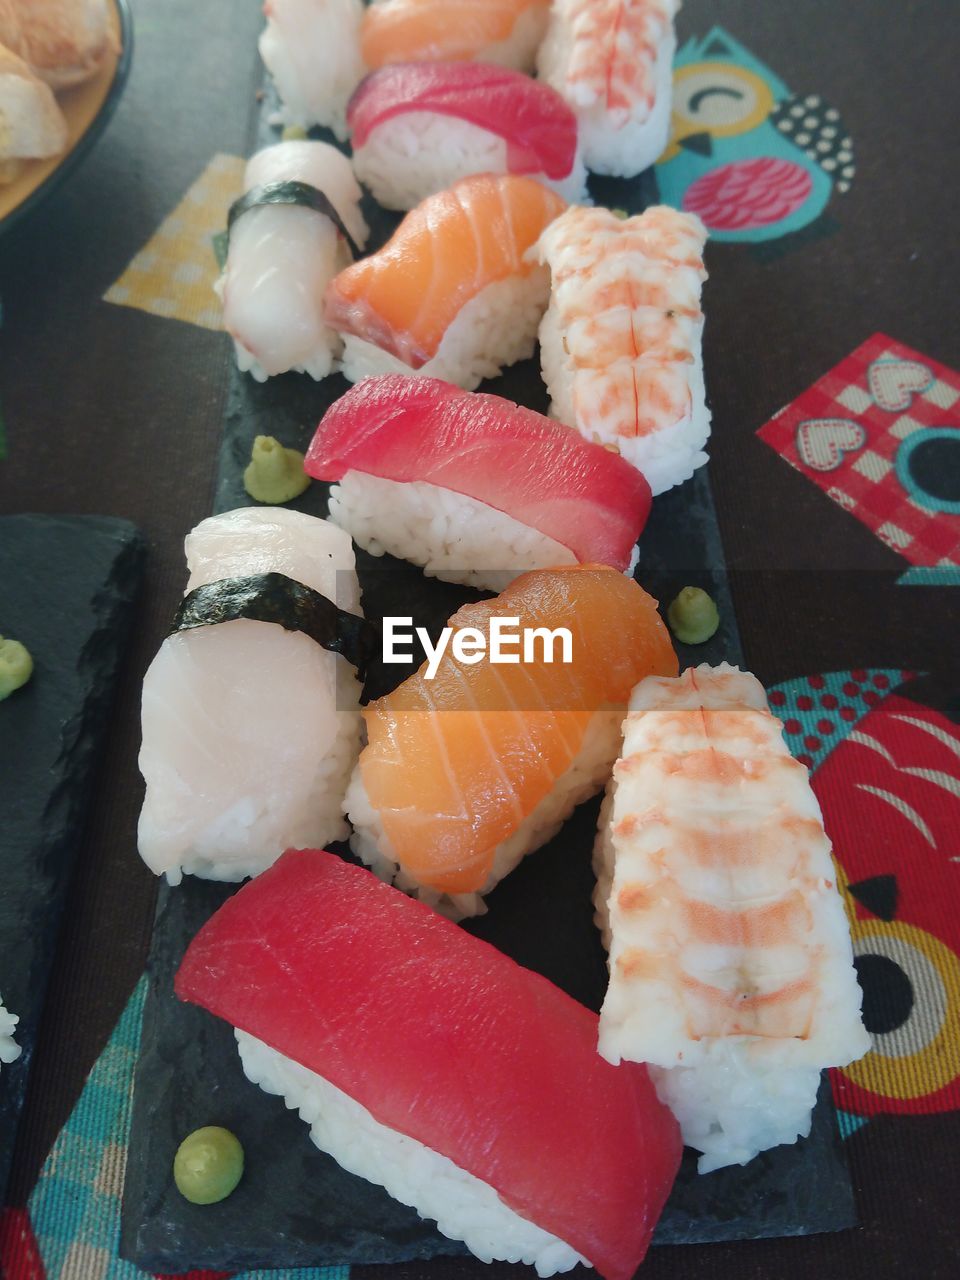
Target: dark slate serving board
(67, 590)
(295, 1206)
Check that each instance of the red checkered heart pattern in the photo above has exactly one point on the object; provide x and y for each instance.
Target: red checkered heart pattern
(876, 435)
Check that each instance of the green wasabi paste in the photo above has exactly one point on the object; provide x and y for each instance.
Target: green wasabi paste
(693, 616)
(16, 666)
(293, 133)
(208, 1165)
(275, 474)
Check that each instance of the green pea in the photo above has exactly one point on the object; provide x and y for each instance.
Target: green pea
(294, 133)
(16, 666)
(693, 616)
(208, 1165)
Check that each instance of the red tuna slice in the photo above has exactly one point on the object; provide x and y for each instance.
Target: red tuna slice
(447, 1040)
(539, 128)
(529, 467)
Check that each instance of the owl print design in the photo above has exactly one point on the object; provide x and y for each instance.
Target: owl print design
(753, 160)
(884, 748)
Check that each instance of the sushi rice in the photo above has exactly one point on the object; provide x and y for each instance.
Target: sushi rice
(586, 775)
(454, 538)
(312, 50)
(734, 1092)
(731, 1105)
(463, 1206)
(618, 142)
(667, 456)
(495, 328)
(250, 731)
(9, 1049)
(409, 157)
(282, 257)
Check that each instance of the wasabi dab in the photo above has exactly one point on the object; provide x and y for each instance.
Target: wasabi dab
(274, 474)
(208, 1165)
(693, 616)
(294, 133)
(16, 666)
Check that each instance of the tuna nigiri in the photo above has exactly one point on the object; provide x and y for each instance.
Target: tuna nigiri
(470, 486)
(312, 50)
(418, 127)
(454, 294)
(731, 967)
(428, 1062)
(503, 31)
(466, 772)
(251, 720)
(288, 239)
(620, 344)
(612, 60)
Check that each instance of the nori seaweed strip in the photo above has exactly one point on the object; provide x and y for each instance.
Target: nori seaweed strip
(301, 193)
(273, 597)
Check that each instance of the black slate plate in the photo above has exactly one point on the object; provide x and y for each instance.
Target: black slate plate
(295, 1206)
(67, 589)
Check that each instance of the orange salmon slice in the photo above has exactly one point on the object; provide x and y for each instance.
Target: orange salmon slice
(455, 764)
(438, 30)
(448, 249)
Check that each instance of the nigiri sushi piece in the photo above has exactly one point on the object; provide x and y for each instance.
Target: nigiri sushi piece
(251, 721)
(64, 42)
(428, 1062)
(731, 967)
(469, 769)
(418, 127)
(34, 127)
(612, 60)
(287, 243)
(454, 293)
(507, 32)
(312, 50)
(620, 344)
(9, 1049)
(472, 487)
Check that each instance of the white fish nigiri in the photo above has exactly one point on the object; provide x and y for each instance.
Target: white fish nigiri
(731, 968)
(281, 259)
(250, 731)
(9, 1049)
(312, 50)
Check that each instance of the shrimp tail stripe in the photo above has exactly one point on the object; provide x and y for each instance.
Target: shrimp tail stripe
(273, 597)
(301, 193)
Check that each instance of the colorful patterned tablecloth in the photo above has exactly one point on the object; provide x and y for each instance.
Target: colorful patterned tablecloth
(823, 166)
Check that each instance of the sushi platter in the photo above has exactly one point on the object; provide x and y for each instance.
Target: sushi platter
(423, 967)
(69, 588)
(76, 117)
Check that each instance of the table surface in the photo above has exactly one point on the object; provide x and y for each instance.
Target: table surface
(110, 410)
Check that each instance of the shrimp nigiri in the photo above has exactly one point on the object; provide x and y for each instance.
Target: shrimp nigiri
(620, 342)
(731, 969)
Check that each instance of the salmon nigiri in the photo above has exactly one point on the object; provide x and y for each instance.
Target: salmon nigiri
(731, 969)
(508, 32)
(454, 294)
(466, 772)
